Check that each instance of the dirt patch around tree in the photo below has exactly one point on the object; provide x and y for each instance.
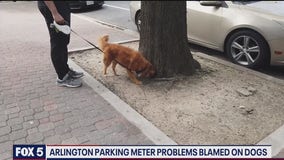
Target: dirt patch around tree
(217, 105)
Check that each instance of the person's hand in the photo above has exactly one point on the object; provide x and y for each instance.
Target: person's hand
(58, 19)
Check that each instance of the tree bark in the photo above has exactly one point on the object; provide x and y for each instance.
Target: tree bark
(163, 38)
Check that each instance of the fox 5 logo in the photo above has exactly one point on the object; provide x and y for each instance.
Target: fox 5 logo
(29, 151)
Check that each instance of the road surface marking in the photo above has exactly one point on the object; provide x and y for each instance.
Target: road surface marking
(96, 21)
(126, 9)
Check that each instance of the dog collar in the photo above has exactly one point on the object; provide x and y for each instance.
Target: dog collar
(139, 72)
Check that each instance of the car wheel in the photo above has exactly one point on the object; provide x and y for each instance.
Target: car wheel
(138, 21)
(248, 48)
(98, 6)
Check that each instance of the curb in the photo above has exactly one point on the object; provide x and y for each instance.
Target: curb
(127, 41)
(275, 139)
(240, 68)
(93, 20)
(72, 50)
(80, 49)
(146, 127)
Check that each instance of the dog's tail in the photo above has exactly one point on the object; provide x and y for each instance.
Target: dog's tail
(103, 42)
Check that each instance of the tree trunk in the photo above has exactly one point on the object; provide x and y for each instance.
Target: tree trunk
(163, 37)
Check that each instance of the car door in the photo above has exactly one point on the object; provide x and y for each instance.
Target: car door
(204, 24)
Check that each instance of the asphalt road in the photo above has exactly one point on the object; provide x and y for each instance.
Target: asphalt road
(112, 12)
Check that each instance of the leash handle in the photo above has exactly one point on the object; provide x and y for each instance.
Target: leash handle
(65, 28)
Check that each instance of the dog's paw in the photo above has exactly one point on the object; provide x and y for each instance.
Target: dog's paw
(138, 83)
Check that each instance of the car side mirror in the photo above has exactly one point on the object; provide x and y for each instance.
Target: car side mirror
(211, 3)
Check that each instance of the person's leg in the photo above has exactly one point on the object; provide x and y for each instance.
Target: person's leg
(59, 51)
(65, 39)
(66, 14)
(58, 45)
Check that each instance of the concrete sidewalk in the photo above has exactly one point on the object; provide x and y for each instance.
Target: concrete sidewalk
(36, 111)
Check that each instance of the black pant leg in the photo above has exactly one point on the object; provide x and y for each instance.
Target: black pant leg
(58, 42)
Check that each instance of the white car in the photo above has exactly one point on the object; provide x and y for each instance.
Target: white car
(250, 32)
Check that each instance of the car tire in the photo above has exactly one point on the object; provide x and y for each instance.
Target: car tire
(98, 6)
(248, 48)
(138, 21)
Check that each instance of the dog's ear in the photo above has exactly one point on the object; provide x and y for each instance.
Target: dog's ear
(106, 37)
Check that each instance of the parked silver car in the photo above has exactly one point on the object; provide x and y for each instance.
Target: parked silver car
(250, 32)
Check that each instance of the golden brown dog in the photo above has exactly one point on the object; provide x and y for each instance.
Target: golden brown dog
(133, 61)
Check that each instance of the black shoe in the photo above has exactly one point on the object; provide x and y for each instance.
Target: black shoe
(75, 74)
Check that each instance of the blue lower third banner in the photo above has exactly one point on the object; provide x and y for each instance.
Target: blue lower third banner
(37, 152)
(73, 152)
